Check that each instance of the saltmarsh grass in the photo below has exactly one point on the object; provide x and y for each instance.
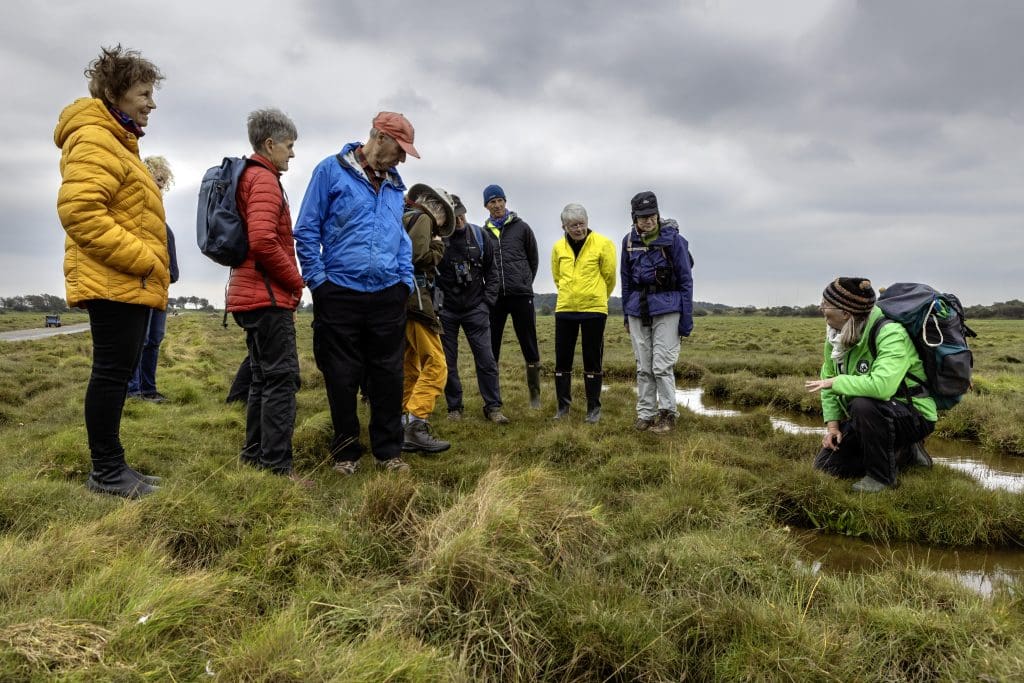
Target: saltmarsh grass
(539, 550)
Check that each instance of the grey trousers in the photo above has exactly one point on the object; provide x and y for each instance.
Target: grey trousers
(656, 349)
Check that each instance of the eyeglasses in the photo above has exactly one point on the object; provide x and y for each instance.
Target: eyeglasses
(577, 224)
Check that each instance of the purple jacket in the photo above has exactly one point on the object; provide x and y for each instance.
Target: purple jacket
(638, 265)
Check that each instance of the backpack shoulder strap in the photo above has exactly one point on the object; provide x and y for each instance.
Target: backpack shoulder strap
(478, 234)
(873, 334)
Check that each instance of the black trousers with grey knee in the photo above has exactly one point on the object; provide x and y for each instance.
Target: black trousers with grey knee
(875, 440)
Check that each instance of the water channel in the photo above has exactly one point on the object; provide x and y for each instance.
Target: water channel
(980, 570)
(991, 470)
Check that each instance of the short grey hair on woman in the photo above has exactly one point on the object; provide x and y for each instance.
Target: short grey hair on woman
(573, 213)
(270, 123)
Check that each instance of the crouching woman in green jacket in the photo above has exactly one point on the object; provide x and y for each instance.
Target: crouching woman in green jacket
(876, 416)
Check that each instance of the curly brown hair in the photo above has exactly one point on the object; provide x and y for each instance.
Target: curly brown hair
(116, 70)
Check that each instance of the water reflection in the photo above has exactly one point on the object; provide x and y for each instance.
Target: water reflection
(992, 470)
(981, 571)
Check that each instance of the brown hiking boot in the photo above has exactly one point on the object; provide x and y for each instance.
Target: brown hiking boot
(497, 417)
(665, 423)
(642, 424)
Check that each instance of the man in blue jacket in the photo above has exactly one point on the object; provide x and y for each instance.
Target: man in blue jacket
(356, 259)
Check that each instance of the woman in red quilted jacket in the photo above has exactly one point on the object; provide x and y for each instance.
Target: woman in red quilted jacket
(264, 292)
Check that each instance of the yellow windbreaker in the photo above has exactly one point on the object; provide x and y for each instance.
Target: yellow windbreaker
(112, 211)
(584, 283)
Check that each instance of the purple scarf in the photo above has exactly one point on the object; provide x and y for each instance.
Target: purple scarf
(126, 121)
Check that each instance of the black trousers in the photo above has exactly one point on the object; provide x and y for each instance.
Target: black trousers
(875, 440)
(118, 332)
(477, 325)
(567, 331)
(356, 333)
(524, 322)
(270, 409)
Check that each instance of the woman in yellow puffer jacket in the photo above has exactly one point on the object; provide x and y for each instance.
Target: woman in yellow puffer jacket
(116, 263)
(583, 266)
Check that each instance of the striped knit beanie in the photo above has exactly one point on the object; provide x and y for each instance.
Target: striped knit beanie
(851, 294)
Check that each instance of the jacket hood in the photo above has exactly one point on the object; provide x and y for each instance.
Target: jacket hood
(89, 111)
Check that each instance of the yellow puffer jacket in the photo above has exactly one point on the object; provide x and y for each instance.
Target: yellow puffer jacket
(584, 282)
(112, 211)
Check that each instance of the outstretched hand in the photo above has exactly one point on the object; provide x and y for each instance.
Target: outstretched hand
(813, 385)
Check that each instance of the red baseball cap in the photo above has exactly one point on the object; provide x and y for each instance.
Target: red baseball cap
(398, 127)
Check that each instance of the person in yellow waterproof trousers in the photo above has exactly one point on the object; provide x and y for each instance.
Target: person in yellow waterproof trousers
(429, 216)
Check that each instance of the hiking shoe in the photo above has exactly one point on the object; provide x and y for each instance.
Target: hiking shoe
(919, 456)
(137, 395)
(642, 424)
(497, 417)
(154, 397)
(593, 416)
(395, 464)
(869, 485)
(454, 415)
(665, 423)
(418, 437)
(561, 413)
(346, 467)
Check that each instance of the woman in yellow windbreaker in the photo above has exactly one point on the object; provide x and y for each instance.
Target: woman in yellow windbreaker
(583, 267)
(116, 263)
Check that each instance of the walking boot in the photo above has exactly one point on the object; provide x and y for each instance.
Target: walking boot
(592, 386)
(111, 475)
(533, 383)
(418, 437)
(869, 484)
(563, 393)
(150, 479)
(919, 456)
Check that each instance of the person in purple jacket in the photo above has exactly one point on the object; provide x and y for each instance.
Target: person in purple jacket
(657, 301)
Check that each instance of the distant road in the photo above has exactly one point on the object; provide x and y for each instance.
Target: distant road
(42, 332)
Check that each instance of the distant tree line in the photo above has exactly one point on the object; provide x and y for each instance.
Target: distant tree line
(544, 303)
(1007, 310)
(50, 303)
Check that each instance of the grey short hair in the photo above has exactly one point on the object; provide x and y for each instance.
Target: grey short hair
(574, 212)
(270, 123)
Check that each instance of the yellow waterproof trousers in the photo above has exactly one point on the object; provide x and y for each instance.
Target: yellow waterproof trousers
(425, 369)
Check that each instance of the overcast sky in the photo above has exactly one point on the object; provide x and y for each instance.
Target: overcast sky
(793, 140)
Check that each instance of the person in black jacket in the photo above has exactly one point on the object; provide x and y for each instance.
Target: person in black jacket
(468, 286)
(515, 263)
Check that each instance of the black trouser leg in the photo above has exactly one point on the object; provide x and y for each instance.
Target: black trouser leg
(593, 358)
(524, 322)
(498, 315)
(477, 325)
(239, 390)
(876, 432)
(270, 412)
(450, 344)
(566, 333)
(118, 332)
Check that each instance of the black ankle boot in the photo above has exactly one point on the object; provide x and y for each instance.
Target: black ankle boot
(111, 475)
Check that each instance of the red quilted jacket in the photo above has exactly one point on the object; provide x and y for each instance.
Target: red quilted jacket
(270, 275)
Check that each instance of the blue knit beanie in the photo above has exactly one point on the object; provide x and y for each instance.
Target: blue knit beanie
(492, 192)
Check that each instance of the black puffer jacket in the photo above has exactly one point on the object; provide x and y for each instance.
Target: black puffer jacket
(515, 255)
(466, 275)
